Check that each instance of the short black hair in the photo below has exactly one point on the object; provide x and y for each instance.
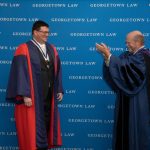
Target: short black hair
(38, 24)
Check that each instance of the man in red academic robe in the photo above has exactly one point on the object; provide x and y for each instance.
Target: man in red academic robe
(35, 86)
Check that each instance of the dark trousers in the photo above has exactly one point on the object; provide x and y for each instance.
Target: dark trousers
(47, 109)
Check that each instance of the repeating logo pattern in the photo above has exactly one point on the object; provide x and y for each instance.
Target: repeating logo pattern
(75, 26)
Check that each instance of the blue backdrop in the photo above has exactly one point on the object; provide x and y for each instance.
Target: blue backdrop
(76, 25)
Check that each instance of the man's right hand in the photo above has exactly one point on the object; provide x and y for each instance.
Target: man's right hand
(27, 101)
(102, 48)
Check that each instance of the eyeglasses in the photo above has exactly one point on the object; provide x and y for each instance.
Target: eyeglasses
(44, 32)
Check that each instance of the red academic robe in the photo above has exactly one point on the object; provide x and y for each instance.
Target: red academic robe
(25, 81)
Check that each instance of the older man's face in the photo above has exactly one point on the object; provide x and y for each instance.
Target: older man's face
(131, 44)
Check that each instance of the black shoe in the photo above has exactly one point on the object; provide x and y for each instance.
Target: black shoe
(42, 148)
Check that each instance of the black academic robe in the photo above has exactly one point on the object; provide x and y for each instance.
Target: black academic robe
(25, 80)
(128, 77)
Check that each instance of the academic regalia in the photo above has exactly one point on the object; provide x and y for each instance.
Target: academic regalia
(129, 77)
(26, 80)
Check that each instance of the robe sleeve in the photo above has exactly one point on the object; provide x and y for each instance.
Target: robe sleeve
(18, 83)
(59, 76)
(108, 79)
(128, 73)
(58, 71)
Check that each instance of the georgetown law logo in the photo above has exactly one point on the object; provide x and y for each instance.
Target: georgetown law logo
(100, 92)
(93, 34)
(3, 47)
(70, 91)
(2, 90)
(85, 77)
(74, 20)
(13, 133)
(21, 34)
(68, 134)
(114, 5)
(5, 62)
(112, 49)
(55, 5)
(78, 63)
(18, 19)
(29, 34)
(91, 121)
(77, 106)
(146, 34)
(67, 48)
(100, 135)
(10, 5)
(110, 107)
(6, 47)
(85, 120)
(7, 105)
(8, 148)
(127, 20)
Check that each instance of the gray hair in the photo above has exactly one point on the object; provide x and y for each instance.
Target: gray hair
(139, 38)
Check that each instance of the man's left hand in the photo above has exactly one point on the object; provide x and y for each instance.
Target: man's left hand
(60, 96)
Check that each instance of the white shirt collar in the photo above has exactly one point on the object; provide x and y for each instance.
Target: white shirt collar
(41, 45)
(42, 48)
